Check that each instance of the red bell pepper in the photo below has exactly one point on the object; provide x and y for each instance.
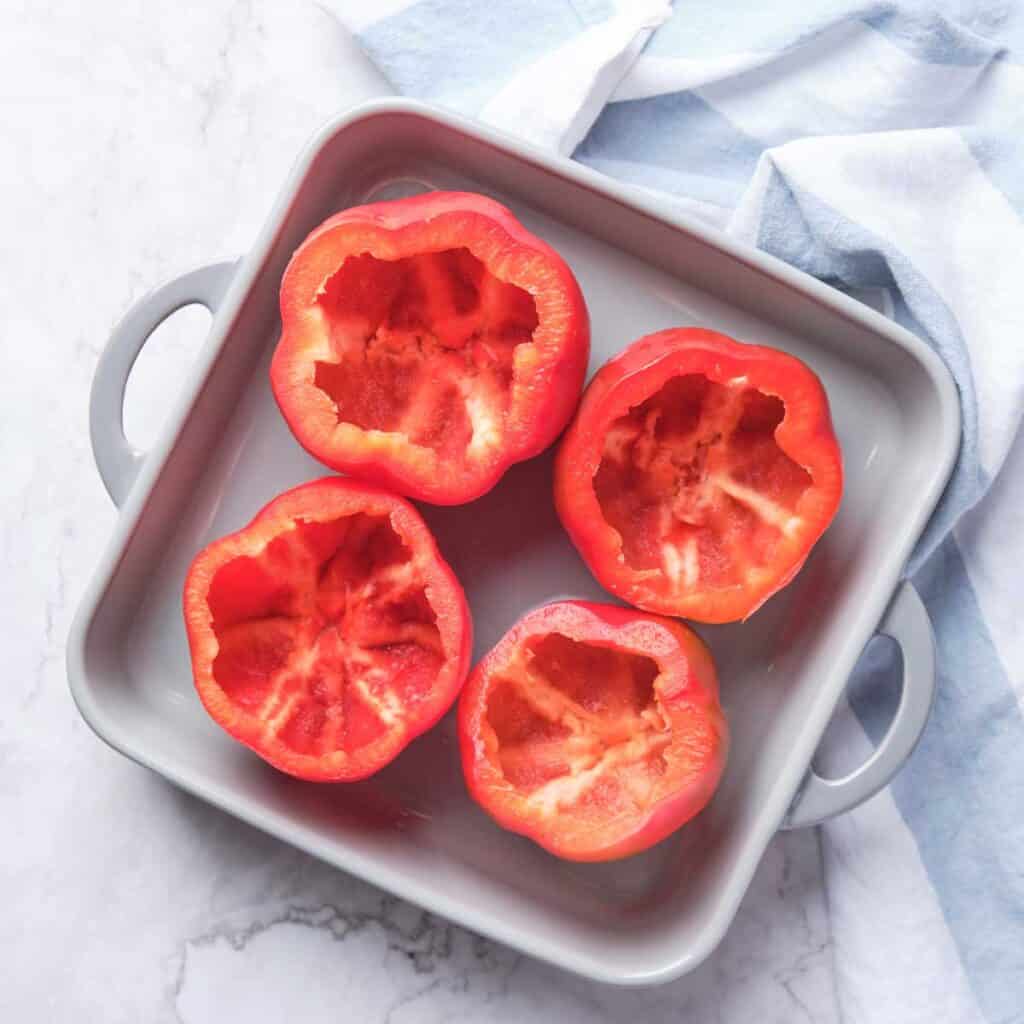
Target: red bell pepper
(428, 343)
(329, 632)
(698, 474)
(592, 729)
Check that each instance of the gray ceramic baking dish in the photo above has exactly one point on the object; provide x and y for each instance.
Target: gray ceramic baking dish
(412, 829)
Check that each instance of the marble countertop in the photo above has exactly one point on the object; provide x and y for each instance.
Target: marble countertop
(140, 140)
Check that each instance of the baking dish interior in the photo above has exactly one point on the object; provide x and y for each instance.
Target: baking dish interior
(412, 828)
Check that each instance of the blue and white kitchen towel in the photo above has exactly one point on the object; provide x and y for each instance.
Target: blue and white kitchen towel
(878, 147)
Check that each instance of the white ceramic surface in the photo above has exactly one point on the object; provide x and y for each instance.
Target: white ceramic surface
(412, 828)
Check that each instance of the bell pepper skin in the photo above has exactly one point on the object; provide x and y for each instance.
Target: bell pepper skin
(698, 474)
(428, 343)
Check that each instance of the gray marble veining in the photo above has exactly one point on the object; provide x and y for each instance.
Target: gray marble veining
(140, 140)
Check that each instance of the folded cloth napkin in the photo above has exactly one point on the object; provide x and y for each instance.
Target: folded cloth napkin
(878, 147)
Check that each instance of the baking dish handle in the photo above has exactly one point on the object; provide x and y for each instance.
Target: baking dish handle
(907, 622)
(116, 458)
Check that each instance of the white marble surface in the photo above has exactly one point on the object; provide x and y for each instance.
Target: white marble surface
(138, 140)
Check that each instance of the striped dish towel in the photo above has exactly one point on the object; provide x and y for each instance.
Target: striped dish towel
(878, 147)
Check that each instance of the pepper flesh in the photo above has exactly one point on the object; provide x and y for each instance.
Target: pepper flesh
(428, 343)
(593, 730)
(329, 632)
(698, 474)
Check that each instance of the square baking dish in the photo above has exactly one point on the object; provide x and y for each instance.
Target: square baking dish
(412, 829)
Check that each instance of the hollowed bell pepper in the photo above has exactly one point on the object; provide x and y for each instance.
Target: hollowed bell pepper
(428, 343)
(698, 474)
(329, 632)
(594, 730)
